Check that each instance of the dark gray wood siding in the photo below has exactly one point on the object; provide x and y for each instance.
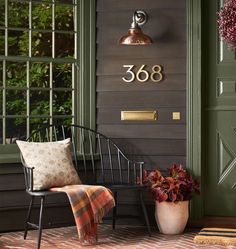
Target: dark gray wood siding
(160, 142)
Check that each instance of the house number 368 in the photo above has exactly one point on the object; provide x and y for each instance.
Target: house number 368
(143, 75)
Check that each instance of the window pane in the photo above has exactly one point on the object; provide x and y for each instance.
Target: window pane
(65, 1)
(2, 41)
(1, 91)
(15, 129)
(64, 17)
(2, 11)
(37, 123)
(16, 74)
(61, 121)
(58, 122)
(41, 16)
(1, 138)
(39, 75)
(41, 44)
(18, 14)
(18, 42)
(15, 102)
(62, 75)
(62, 103)
(39, 102)
(1, 73)
(1, 102)
(64, 45)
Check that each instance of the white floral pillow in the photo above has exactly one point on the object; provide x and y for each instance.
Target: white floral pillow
(52, 162)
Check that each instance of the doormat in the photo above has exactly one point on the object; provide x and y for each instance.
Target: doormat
(220, 236)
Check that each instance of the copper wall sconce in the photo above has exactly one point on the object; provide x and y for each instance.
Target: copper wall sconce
(135, 35)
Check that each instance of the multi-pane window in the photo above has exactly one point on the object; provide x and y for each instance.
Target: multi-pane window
(38, 65)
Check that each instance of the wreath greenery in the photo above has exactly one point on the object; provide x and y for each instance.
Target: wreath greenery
(227, 23)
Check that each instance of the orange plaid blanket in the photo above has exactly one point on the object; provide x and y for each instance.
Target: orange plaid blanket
(89, 204)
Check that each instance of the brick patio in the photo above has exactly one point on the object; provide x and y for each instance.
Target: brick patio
(122, 237)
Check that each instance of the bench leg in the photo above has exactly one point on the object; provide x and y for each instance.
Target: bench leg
(145, 213)
(40, 221)
(28, 216)
(114, 212)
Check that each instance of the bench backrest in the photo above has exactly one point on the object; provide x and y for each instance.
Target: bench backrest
(97, 159)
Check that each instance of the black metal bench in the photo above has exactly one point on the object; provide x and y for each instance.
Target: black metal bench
(103, 163)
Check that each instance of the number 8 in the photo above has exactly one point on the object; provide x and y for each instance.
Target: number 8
(156, 69)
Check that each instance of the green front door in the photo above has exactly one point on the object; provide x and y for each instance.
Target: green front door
(219, 118)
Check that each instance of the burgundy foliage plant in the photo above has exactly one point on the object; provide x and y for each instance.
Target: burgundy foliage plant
(227, 23)
(178, 185)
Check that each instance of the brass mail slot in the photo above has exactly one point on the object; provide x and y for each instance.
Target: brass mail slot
(139, 115)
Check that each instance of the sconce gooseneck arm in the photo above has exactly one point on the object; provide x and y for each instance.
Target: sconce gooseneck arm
(139, 18)
(134, 24)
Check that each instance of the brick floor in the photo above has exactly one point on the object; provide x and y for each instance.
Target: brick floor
(123, 237)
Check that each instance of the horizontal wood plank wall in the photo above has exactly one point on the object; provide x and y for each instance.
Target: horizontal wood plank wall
(159, 143)
(14, 202)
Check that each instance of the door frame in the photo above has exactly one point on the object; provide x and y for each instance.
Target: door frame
(194, 108)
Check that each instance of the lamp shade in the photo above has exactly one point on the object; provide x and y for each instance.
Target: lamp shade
(135, 36)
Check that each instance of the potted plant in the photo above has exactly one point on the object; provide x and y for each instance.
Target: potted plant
(172, 194)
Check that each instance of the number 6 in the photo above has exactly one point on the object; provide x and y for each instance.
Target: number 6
(142, 71)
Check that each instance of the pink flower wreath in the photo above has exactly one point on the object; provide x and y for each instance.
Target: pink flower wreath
(227, 23)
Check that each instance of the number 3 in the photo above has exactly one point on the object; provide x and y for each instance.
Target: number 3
(129, 71)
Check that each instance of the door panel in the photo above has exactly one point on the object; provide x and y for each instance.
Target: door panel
(219, 118)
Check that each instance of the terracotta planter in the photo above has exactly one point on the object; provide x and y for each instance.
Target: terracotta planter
(172, 217)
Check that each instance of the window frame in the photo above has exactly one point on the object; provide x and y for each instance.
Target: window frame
(85, 101)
